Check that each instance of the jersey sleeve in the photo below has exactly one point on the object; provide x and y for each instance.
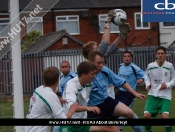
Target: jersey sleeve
(172, 82)
(70, 93)
(115, 79)
(111, 50)
(147, 78)
(140, 73)
(56, 107)
(103, 46)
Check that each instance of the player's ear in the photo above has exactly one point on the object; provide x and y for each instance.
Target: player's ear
(83, 74)
(90, 61)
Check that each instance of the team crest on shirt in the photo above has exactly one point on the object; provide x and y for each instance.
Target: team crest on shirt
(165, 74)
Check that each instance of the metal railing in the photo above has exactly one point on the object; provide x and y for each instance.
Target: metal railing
(34, 63)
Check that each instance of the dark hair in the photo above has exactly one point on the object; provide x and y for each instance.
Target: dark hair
(161, 48)
(87, 48)
(128, 53)
(50, 75)
(85, 67)
(93, 54)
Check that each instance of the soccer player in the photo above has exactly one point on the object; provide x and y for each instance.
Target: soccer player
(99, 97)
(105, 47)
(77, 90)
(133, 75)
(67, 75)
(159, 79)
(45, 104)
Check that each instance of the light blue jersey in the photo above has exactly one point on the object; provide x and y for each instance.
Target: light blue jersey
(64, 80)
(100, 83)
(131, 73)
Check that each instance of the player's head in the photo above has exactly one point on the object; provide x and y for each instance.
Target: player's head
(89, 46)
(161, 54)
(65, 67)
(127, 57)
(86, 72)
(97, 58)
(51, 76)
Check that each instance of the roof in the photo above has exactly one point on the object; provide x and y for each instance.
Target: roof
(47, 40)
(77, 4)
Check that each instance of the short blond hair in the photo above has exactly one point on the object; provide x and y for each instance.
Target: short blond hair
(87, 48)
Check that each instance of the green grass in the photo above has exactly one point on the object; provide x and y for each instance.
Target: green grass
(138, 108)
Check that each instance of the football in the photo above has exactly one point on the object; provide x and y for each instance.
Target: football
(120, 17)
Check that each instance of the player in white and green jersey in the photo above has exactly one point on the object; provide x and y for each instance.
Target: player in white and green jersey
(77, 90)
(159, 79)
(45, 104)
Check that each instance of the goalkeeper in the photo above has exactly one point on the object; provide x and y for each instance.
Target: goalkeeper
(105, 47)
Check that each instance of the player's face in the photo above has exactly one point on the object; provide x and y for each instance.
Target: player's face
(127, 58)
(90, 76)
(160, 55)
(65, 68)
(98, 62)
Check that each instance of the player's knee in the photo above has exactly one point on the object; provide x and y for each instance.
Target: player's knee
(165, 115)
(147, 115)
(129, 114)
(113, 129)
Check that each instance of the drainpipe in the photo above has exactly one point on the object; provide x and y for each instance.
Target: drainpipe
(158, 34)
(53, 25)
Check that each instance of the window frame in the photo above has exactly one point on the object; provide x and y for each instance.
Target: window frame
(67, 19)
(168, 26)
(135, 22)
(7, 24)
(41, 21)
(100, 19)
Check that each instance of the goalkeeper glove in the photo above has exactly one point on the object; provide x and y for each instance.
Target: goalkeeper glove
(111, 14)
(124, 30)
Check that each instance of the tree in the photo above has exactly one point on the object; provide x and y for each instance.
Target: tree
(30, 38)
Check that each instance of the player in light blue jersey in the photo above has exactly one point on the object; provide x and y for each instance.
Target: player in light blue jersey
(67, 75)
(99, 97)
(133, 75)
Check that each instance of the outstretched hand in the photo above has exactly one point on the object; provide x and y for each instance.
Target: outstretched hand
(94, 109)
(148, 87)
(111, 14)
(141, 96)
(63, 101)
(124, 30)
(163, 86)
(139, 81)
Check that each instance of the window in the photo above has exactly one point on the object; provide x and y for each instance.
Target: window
(69, 23)
(139, 24)
(113, 28)
(168, 24)
(36, 23)
(4, 29)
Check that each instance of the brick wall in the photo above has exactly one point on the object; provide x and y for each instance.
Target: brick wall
(87, 32)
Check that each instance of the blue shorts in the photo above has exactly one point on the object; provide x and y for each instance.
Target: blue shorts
(125, 97)
(107, 109)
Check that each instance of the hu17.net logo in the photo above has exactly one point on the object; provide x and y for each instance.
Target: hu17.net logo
(158, 10)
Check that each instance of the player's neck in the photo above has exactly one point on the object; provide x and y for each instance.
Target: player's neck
(160, 63)
(53, 87)
(82, 83)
